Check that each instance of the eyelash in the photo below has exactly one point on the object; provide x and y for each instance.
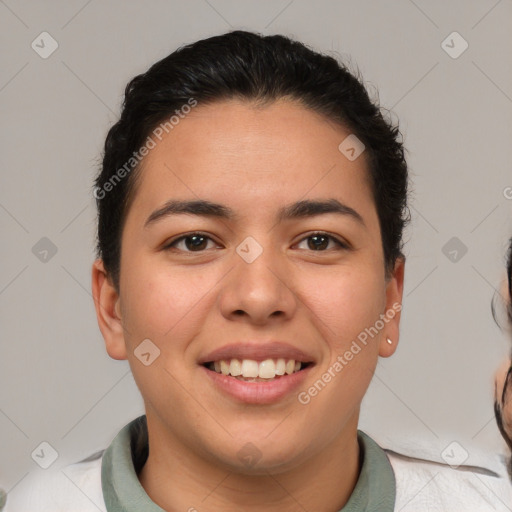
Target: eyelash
(169, 246)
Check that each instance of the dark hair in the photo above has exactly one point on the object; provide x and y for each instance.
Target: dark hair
(509, 280)
(248, 66)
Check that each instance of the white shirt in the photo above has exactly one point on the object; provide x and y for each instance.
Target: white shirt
(421, 485)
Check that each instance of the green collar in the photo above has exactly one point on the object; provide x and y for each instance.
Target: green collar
(374, 491)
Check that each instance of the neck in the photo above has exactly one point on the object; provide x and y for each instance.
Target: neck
(177, 478)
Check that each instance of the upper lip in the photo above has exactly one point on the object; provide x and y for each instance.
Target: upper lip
(258, 351)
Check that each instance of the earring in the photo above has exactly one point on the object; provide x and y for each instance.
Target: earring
(389, 341)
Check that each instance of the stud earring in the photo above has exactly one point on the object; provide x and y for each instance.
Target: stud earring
(389, 341)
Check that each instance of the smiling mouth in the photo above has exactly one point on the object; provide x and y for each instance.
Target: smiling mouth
(250, 370)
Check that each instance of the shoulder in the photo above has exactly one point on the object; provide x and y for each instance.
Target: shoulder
(423, 484)
(74, 487)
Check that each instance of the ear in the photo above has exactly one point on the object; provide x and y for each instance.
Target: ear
(107, 304)
(394, 292)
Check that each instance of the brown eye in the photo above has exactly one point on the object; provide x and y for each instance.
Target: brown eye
(320, 241)
(193, 242)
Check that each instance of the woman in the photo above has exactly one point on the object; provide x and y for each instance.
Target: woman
(251, 207)
(503, 387)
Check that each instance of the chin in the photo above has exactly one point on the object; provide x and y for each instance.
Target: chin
(248, 456)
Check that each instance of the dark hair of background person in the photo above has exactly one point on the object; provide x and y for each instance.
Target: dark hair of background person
(248, 66)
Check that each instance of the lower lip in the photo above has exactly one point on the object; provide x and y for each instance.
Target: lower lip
(257, 392)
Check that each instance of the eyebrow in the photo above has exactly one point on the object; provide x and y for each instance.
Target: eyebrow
(299, 209)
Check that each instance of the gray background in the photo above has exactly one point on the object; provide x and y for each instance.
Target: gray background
(58, 385)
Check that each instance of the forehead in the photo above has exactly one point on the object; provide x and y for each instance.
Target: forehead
(253, 158)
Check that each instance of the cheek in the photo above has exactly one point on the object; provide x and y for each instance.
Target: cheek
(167, 306)
(161, 300)
(500, 377)
(347, 302)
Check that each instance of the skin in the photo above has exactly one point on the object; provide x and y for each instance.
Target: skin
(506, 405)
(254, 160)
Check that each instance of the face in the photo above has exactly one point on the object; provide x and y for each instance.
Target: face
(503, 387)
(254, 284)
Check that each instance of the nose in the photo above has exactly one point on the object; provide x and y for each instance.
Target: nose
(259, 291)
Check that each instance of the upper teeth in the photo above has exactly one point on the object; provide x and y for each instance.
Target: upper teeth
(266, 369)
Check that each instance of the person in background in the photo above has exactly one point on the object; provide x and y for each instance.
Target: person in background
(503, 379)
